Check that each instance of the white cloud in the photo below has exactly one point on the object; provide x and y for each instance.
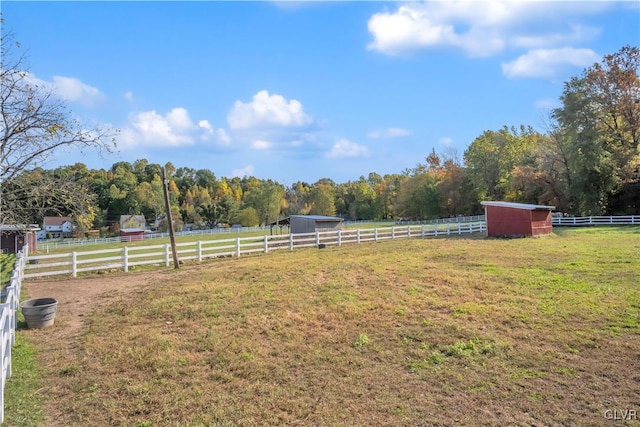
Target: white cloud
(179, 119)
(479, 28)
(242, 172)
(445, 141)
(267, 111)
(128, 95)
(152, 129)
(204, 124)
(547, 104)
(220, 135)
(72, 89)
(69, 89)
(260, 144)
(346, 148)
(576, 34)
(388, 133)
(175, 129)
(546, 62)
(223, 137)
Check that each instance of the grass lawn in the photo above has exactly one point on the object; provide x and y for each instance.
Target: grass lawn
(431, 332)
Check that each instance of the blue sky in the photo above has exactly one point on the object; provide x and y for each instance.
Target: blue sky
(309, 90)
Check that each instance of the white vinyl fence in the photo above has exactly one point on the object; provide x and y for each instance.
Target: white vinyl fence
(127, 257)
(597, 220)
(9, 320)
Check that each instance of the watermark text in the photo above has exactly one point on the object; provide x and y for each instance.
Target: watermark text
(621, 414)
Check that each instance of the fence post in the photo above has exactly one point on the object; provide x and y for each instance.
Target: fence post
(74, 265)
(358, 235)
(317, 238)
(266, 244)
(408, 231)
(422, 230)
(199, 251)
(459, 228)
(238, 246)
(393, 232)
(125, 259)
(375, 234)
(339, 237)
(290, 241)
(435, 233)
(166, 255)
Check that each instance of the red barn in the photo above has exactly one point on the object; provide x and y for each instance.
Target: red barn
(131, 234)
(517, 219)
(14, 237)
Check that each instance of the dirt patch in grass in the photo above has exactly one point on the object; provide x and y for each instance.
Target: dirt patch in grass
(432, 332)
(60, 345)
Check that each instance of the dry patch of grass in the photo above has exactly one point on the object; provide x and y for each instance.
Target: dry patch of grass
(432, 332)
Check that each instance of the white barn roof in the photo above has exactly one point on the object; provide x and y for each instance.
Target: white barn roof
(517, 205)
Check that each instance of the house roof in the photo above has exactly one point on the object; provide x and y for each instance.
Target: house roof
(19, 227)
(128, 217)
(132, 230)
(55, 220)
(318, 217)
(518, 205)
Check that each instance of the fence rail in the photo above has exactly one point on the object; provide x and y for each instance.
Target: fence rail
(124, 258)
(127, 257)
(9, 321)
(53, 244)
(597, 220)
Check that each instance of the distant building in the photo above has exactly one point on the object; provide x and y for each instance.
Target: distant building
(14, 237)
(131, 234)
(57, 226)
(132, 221)
(517, 219)
(300, 224)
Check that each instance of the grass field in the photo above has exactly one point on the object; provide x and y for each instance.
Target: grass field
(7, 262)
(430, 332)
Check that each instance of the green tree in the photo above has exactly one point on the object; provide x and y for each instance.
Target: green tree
(248, 217)
(364, 200)
(598, 125)
(321, 198)
(266, 198)
(492, 157)
(297, 197)
(418, 197)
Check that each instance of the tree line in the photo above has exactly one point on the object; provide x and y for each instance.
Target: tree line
(586, 162)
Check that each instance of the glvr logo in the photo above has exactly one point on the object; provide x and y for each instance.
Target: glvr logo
(621, 414)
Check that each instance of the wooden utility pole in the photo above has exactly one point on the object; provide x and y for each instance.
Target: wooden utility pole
(167, 205)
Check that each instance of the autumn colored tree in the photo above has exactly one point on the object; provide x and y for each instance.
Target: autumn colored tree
(322, 198)
(598, 127)
(35, 123)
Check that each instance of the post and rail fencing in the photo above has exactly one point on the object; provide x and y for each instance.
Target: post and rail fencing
(9, 320)
(77, 262)
(127, 257)
(596, 220)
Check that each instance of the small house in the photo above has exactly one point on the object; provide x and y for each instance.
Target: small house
(133, 221)
(14, 237)
(508, 219)
(57, 226)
